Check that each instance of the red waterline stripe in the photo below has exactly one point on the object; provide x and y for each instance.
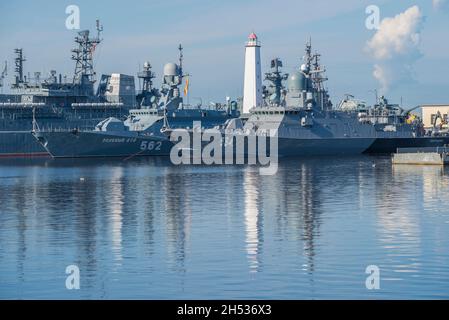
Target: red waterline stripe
(24, 155)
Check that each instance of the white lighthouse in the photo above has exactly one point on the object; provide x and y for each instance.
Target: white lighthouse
(252, 87)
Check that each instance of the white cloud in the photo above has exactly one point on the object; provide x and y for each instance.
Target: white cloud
(395, 46)
(438, 4)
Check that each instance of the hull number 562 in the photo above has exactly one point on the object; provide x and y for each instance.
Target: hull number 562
(151, 145)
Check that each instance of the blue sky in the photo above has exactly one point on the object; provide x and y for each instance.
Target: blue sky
(213, 35)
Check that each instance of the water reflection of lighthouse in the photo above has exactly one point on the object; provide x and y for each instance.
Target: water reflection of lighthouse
(253, 220)
(116, 209)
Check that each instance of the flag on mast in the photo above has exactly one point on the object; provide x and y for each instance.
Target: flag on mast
(186, 88)
(92, 49)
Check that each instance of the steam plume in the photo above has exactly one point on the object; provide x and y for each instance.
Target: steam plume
(395, 47)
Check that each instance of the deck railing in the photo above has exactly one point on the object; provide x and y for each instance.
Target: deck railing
(444, 149)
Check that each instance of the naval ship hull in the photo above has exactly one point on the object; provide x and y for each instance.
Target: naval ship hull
(316, 147)
(389, 145)
(83, 144)
(288, 147)
(351, 146)
(17, 140)
(20, 144)
(103, 144)
(93, 144)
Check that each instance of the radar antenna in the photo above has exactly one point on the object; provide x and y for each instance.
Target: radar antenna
(274, 92)
(148, 95)
(99, 28)
(19, 60)
(147, 76)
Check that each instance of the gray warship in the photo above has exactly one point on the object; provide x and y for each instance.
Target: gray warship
(301, 114)
(59, 102)
(146, 130)
(306, 122)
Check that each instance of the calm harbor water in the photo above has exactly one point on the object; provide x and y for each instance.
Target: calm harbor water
(145, 229)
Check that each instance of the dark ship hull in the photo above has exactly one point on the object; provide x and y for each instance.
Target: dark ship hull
(352, 146)
(91, 144)
(290, 147)
(150, 142)
(386, 145)
(77, 144)
(17, 140)
(20, 144)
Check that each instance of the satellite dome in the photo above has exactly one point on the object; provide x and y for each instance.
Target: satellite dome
(171, 69)
(296, 81)
(146, 65)
(304, 68)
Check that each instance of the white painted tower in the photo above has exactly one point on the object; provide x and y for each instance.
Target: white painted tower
(252, 87)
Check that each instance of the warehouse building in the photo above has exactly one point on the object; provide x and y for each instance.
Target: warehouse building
(435, 115)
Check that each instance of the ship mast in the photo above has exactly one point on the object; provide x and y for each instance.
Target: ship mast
(316, 72)
(181, 57)
(83, 55)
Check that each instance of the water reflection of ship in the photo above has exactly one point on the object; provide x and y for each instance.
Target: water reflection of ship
(396, 211)
(296, 203)
(310, 220)
(293, 196)
(178, 215)
(76, 230)
(122, 206)
(307, 189)
(23, 200)
(399, 215)
(21, 230)
(434, 179)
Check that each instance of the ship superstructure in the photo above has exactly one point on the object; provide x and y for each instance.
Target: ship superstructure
(145, 130)
(59, 102)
